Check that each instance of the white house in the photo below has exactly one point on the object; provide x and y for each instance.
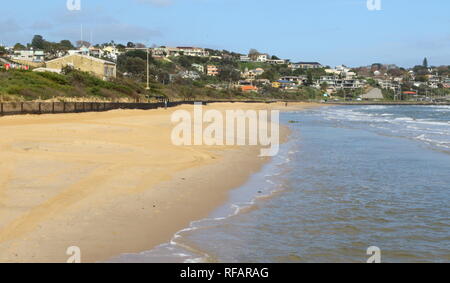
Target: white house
(36, 56)
(262, 58)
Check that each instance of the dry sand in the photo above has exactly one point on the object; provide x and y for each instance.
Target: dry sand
(109, 183)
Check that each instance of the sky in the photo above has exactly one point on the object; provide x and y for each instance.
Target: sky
(332, 32)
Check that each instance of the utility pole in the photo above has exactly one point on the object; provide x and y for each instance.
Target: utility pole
(148, 71)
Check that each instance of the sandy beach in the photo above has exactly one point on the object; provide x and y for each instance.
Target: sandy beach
(109, 183)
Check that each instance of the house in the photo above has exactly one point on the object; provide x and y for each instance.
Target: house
(96, 52)
(31, 56)
(98, 67)
(341, 71)
(277, 61)
(287, 85)
(335, 83)
(252, 74)
(446, 83)
(199, 68)
(83, 50)
(389, 84)
(191, 75)
(245, 58)
(262, 57)
(298, 80)
(193, 51)
(212, 70)
(246, 86)
(434, 81)
(249, 88)
(111, 52)
(164, 51)
(305, 65)
(158, 52)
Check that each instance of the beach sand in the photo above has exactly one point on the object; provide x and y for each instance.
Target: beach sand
(110, 182)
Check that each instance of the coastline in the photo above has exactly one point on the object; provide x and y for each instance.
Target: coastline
(121, 188)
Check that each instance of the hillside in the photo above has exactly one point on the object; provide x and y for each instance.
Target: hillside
(18, 85)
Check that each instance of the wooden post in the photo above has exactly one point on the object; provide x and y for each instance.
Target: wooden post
(64, 107)
(40, 109)
(1, 108)
(53, 107)
(21, 107)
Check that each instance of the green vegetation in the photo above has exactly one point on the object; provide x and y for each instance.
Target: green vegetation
(26, 85)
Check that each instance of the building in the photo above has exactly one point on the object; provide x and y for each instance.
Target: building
(246, 86)
(193, 51)
(298, 80)
(434, 81)
(32, 56)
(190, 75)
(341, 71)
(277, 61)
(245, 58)
(212, 70)
(305, 65)
(286, 84)
(335, 83)
(199, 68)
(252, 74)
(446, 83)
(262, 58)
(179, 51)
(389, 84)
(373, 94)
(83, 50)
(111, 52)
(98, 67)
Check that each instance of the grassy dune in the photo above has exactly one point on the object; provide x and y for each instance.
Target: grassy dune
(18, 85)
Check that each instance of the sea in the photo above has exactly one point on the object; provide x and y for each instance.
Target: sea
(350, 178)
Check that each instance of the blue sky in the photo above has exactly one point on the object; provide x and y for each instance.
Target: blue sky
(332, 32)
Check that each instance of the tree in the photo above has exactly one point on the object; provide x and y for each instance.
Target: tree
(425, 63)
(19, 46)
(38, 42)
(66, 44)
(253, 54)
(324, 86)
(131, 45)
(229, 73)
(83, 43)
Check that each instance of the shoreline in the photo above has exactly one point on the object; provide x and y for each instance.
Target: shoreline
(100, 208)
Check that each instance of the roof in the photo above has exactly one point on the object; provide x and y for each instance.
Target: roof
(85, 56)
(308, 63)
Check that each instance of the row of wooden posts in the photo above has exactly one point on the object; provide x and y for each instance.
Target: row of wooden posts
(17, 108)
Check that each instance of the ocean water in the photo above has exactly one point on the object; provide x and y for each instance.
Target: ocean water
(350, 177)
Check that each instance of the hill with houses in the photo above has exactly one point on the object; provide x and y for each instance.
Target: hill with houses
(110, 71)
